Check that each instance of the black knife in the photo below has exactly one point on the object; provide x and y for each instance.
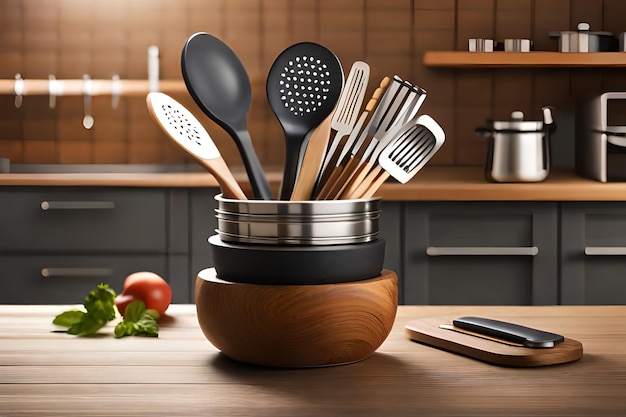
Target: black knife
(515, 333)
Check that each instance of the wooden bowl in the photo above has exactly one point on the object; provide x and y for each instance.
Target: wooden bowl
(296, 325)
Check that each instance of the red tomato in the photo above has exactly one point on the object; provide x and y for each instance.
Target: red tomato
(148, 287)
(122, 301)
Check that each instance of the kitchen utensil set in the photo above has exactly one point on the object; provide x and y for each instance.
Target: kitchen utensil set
(400, 102)
(317, 157)
(305, 90)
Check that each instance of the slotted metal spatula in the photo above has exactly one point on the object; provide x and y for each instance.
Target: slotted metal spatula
(401, 101)
(183, 127)
(413, 146)
(346, 114)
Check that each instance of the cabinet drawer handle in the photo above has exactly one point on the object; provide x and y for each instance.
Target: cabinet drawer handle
(77, 205)
(76, 272)
(481, 250)
(609, 250)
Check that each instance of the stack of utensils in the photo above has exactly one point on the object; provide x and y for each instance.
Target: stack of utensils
(335, 148)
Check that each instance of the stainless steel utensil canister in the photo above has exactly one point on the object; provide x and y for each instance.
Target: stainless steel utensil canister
(282, 242)
(280, 222)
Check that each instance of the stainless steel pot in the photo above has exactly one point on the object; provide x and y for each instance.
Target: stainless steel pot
(585, 40)
(519, 150)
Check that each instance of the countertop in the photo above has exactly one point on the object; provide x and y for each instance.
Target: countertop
(180, 373)
(436, 183)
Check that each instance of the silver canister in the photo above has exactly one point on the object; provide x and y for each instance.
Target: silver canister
(519, 150)
(279, 222)
(482, 45)
(517, 45)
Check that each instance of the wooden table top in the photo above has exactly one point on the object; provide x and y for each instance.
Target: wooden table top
(436, 183)
(181, 373)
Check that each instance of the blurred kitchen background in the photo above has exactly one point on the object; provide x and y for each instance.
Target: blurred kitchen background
(103, 38)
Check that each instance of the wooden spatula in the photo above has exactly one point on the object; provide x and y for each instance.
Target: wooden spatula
(313, 155)
(183, 127)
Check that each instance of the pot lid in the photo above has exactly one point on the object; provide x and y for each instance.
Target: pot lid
(517, 123)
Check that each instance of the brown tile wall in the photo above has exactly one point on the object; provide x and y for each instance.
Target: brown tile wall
(69, 38)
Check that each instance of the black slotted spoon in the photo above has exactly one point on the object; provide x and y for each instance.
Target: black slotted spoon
(303, 87)
(220, 86)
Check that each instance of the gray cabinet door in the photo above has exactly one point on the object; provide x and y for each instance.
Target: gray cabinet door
(593, 253)
(67, 279)
(496, 253)
(57, 243)
(83, 219)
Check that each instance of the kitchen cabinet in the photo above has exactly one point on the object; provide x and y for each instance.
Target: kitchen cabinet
(593, 253)
(56, 243)
(480, 253)
(444, 252)
(67, 279)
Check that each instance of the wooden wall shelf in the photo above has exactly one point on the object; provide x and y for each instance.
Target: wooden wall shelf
(98, 87)
(464, 59)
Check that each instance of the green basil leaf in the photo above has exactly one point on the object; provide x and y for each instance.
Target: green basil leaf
(134, 311)
(147, 326)
(68, 318)
(100, 309)
(123, 329)
(89, 324)
(153, 313)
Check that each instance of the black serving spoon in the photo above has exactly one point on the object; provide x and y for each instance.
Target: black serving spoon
(219, 84)
(303, 87)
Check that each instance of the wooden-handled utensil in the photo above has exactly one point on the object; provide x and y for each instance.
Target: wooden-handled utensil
(401, 100)
(345, 116)
(183, 127)
(411, 148)
(318, 154)
(410, 98)
(305, 183)
(353, 144)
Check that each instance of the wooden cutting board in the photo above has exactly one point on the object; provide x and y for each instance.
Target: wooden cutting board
(427, 331)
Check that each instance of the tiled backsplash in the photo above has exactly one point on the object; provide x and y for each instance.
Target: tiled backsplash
(69, 38)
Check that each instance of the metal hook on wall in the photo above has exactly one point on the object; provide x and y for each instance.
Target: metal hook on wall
(53, 91)
(116, 91)
(87, 90)
(19, 90)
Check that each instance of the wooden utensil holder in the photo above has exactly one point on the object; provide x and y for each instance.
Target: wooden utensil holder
(296, 325)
